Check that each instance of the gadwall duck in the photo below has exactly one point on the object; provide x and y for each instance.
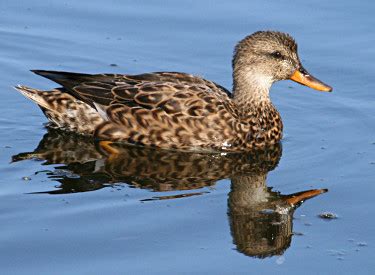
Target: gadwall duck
(178, 110)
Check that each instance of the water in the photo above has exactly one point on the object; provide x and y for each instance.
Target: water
(126, 216)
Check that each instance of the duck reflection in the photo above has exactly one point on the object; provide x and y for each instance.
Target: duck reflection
(261, 220)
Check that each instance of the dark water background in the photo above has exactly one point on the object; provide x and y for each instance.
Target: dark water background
(329, 140)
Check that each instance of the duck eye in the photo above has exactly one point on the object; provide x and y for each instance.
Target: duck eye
(277, 54)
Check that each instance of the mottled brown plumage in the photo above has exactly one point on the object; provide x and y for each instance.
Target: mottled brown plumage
(178, 110)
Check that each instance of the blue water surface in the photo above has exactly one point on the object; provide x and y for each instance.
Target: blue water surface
(329, 138)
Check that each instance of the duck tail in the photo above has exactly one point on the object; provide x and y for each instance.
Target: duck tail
(63, 110)
(33, 94)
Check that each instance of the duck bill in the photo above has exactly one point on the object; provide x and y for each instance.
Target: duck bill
(303, 77)
(299, 197)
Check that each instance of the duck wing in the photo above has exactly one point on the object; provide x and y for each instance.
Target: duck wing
(105, 89)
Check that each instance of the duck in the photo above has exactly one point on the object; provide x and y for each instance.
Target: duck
(173, 110)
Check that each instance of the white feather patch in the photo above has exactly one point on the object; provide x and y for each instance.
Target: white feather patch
(101, 110)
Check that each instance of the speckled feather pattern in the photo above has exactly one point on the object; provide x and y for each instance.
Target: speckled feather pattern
(189, 113)
(176, 110)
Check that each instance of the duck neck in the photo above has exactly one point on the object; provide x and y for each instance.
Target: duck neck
(251, 91)
(251, 96)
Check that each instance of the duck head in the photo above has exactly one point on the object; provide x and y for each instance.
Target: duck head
(265, 57)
